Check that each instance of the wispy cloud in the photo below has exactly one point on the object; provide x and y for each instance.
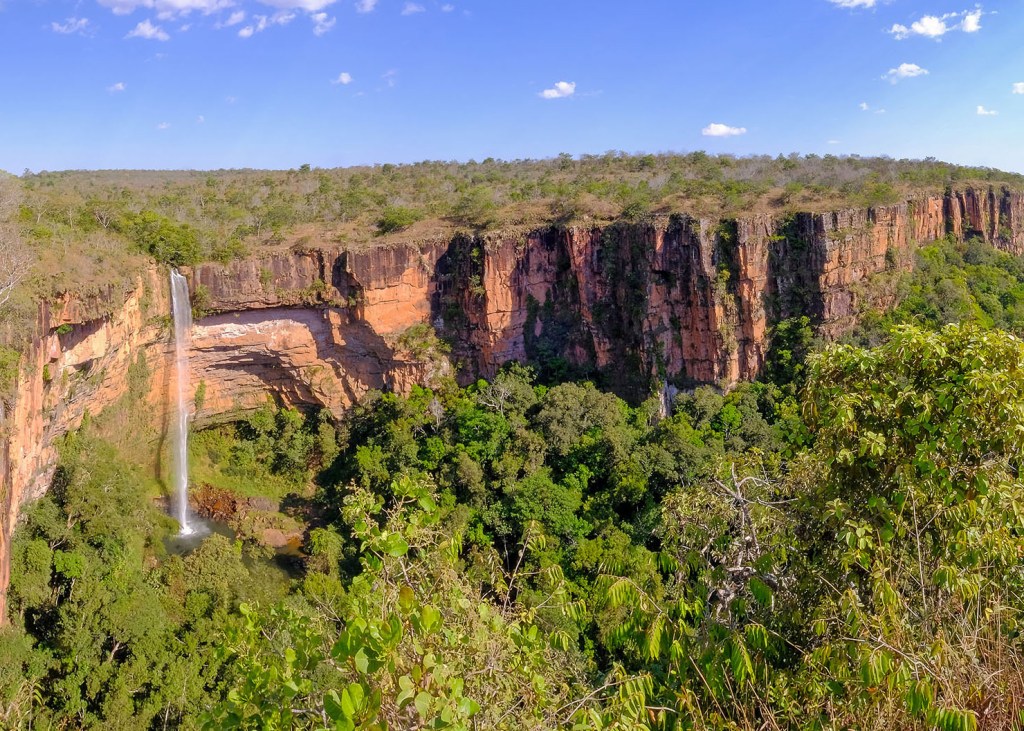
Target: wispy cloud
(865, 107)
(982, 112)
(344, 78)
(117, 88)
(234, 19)
(164, 125)
(81, 26)
(262, 22)
(167, 9)
(716, 129)
(200, 119)
(904, 71)
(390, 77)
(322, 23)
(1018, 88)
(147, 30)
(561, 90)
(310, 6)
(936, 26)
(365, 6)
(447, 8)
(854, 3)
(412, 9)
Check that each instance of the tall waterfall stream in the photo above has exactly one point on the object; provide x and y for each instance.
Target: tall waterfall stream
(179, 425)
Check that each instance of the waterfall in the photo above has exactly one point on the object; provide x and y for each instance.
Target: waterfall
(179, 425)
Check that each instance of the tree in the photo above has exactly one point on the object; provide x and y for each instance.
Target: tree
(15, 262)
(416, 647)
(397, 218)
(913, 511)
(15, 257)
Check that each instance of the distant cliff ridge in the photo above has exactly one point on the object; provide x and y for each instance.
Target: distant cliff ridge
(683, 300)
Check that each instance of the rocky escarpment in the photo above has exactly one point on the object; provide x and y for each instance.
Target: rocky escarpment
(636, 304)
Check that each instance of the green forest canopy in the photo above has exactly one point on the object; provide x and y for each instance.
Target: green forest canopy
(512, 555)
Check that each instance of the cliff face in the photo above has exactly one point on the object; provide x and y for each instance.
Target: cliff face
(693, 300)
(317, 328)
(685, 300)
(76, 364)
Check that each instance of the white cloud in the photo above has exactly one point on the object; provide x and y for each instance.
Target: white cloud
(310, 6)
(1018, 88)
(365, 6)
(715, 129)
(447, 8)
(930, 26)
(322, 23)
(266, 21)
(904, 71)
(164, 125)
(560, 90)
(118, 87)
(864, 106)
(166, 9)
(147, 30)
(972, 21)
(72, 25)
(412, 9)
(344, 78)
(854, 3)
(982, 112)
(832, 142)
(390, 77)
(936, 26)
(171, 9)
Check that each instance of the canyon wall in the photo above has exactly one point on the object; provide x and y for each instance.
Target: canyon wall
(632, 304)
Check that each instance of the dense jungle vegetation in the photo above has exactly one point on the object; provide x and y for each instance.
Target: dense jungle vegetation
(836, 547)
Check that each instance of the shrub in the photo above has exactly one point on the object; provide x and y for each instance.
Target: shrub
(396, 218)
(168, 241)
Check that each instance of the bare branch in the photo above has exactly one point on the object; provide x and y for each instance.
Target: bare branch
(15, 262)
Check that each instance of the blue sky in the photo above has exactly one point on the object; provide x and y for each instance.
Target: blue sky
(278, 83)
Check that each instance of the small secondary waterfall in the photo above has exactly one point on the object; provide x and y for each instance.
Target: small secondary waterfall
(179, 425)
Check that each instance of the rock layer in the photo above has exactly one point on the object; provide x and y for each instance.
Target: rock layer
(684, 300)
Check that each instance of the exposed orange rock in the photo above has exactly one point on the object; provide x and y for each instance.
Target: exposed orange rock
(683, 299)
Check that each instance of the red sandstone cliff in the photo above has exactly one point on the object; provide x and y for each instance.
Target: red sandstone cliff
(684, 299)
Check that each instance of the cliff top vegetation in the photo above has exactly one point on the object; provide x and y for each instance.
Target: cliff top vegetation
(87, 230)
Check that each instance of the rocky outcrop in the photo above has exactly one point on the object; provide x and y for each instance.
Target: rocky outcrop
(679, 299)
